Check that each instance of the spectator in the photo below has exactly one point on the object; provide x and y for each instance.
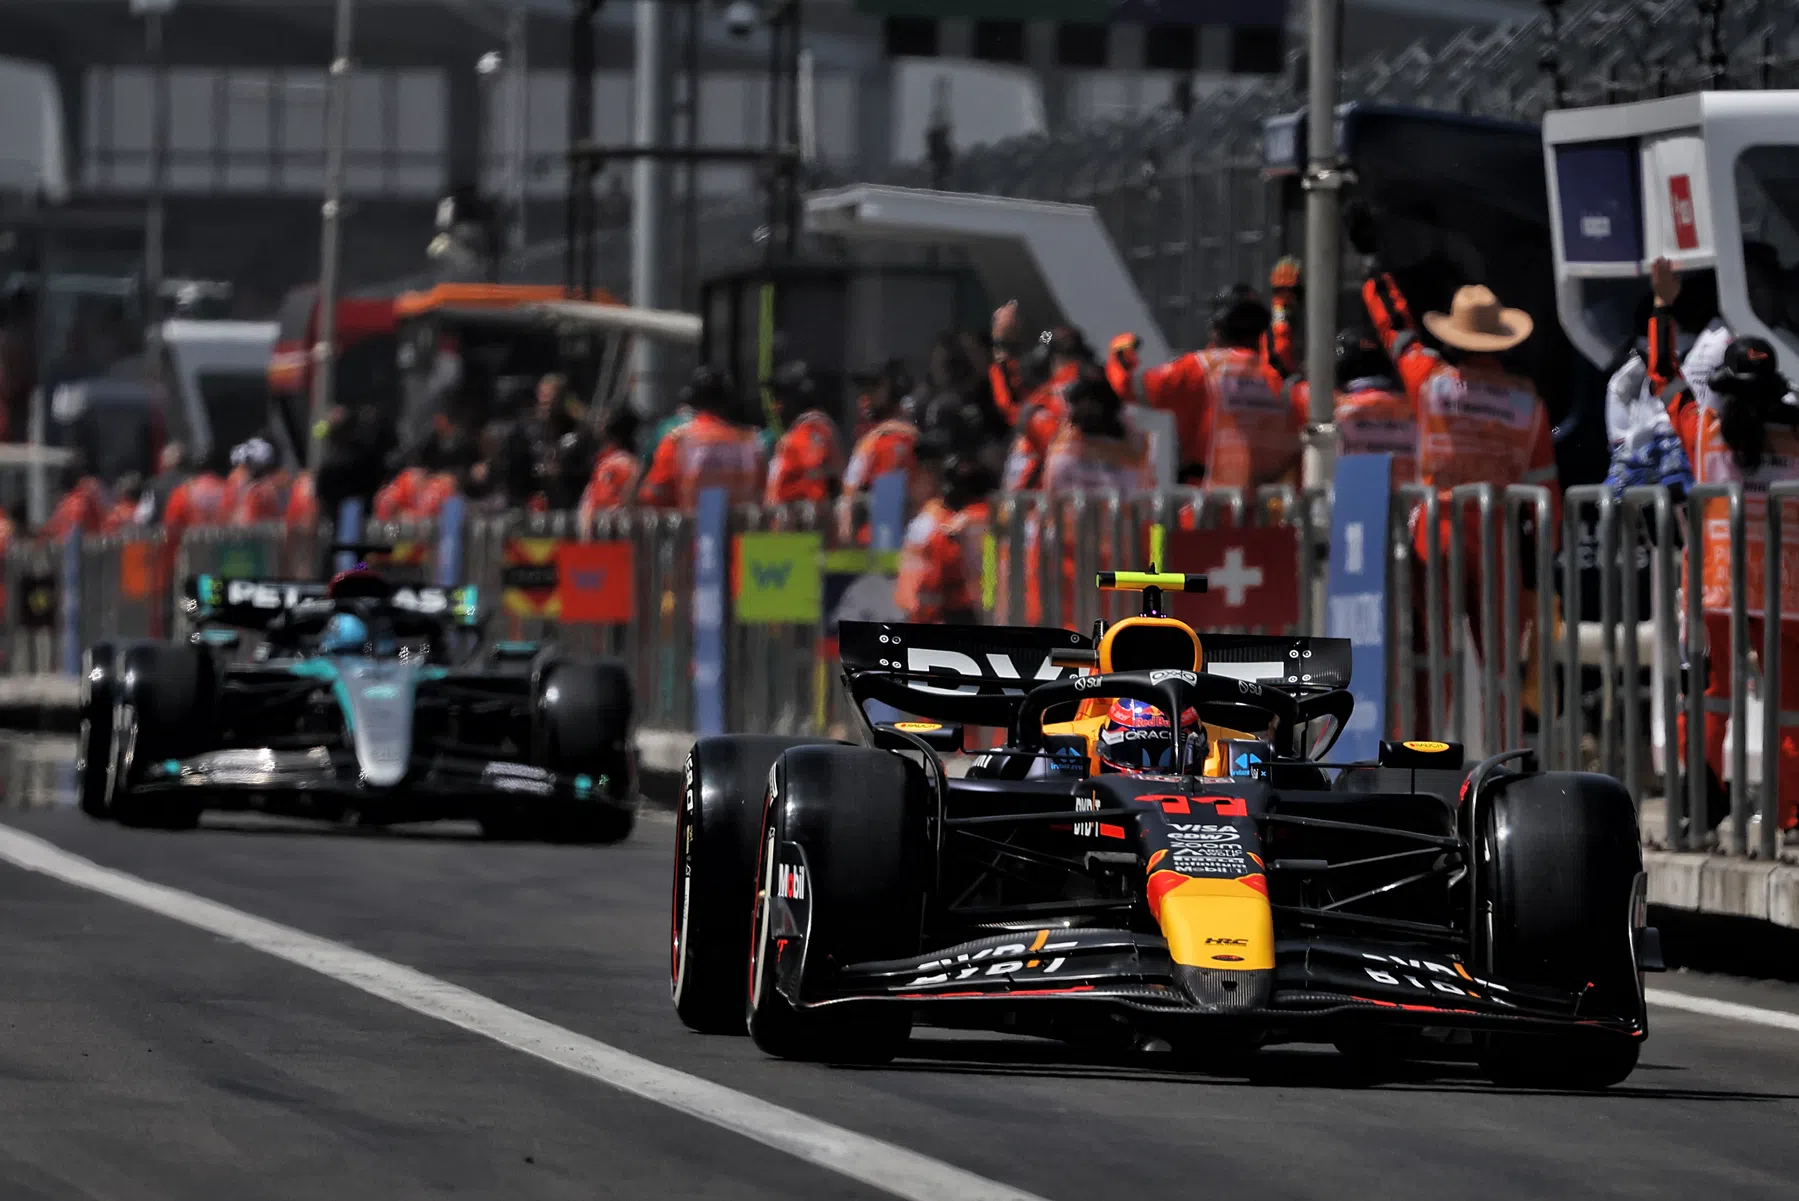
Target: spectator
(127, 496)
(261, 493)
(1478, 423)
(683, 413)
(964, 408)
(708, 452)
(570, 465)
(1372, 412)
(171, 470)
(1280, 347)
(1643, 444)
(83, 506)
(616, 469)
(1122, 361)
(1748, 435)
(302, 513)
(807, 465)
(1232, 425)
(891, 439)
(1094, 452)
(1004, 372)
(483, 479)
(394, 500)
(958, 389)
(940, 560)
(199, 500)
(1042, 418)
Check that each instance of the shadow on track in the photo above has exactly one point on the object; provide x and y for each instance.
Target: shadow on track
(1311, 1067)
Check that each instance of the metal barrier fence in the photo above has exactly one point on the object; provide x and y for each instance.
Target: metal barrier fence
(1484, 636)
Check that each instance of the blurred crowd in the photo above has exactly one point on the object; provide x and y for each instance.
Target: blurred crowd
(1007, 409)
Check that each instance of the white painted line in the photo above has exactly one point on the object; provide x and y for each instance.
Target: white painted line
(1777, 1018)
(871, 1161)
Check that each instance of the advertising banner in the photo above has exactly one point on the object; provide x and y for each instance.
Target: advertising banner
(1356, 596)
(779, 578)
(596, 582)
(711, 531)
(528, 577)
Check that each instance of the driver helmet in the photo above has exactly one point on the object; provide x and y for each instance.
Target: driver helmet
(345, 633)
(1137, 738)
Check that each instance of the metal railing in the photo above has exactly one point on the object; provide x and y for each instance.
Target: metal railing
(1594, 656)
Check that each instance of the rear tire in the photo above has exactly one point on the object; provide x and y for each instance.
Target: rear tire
(858, 817)
(1560, 869)
(581, 725)
(716, 828)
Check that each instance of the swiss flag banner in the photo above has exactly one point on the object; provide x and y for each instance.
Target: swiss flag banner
(1252, 577)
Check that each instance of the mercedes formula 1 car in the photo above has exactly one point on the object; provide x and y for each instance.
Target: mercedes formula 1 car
(365, 701)
(1234, 892)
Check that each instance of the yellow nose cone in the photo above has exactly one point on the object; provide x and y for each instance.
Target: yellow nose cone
(1222, 925)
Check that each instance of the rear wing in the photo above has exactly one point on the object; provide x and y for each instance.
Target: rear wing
(973, 674)
(253, 604)
(1286, 662)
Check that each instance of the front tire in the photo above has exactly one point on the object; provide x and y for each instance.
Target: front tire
(1560, 867)
(165, 709)
(716, 828)
(94, 736)
(857, 817)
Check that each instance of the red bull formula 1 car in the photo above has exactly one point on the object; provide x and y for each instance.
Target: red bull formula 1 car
(1237, 893)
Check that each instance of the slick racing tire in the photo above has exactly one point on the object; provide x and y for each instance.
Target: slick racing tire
(1560, 874)
(93, 737)
(856, 819)
(581, 725)
(164, 710)
(716, 828)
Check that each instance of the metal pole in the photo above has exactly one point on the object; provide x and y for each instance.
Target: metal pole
(518, 114)
(776, 179)
(1323, 182)
(794, 139)
(690, 171)
(650, 196)
(337, 132)
(159, 175)
(578, 264)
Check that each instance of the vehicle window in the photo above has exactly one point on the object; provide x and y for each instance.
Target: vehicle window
(1767, 179)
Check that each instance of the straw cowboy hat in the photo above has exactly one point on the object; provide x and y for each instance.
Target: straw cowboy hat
(1478, 323)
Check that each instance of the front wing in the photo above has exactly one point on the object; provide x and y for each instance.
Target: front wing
(1317, 981)
(440, 784)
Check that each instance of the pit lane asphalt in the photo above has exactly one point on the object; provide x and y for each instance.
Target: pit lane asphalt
(145, 1059)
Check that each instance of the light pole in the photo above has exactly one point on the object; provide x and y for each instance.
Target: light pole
(650, 198)
(1323, 187)
(337, 132)
(493, 169)
(153, 12)
(518, 122)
